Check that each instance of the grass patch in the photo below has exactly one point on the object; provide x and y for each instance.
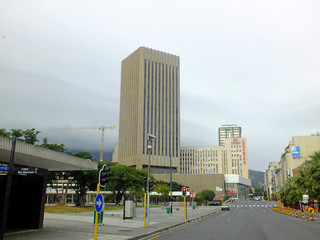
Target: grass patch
(67, 209)
(71, 209)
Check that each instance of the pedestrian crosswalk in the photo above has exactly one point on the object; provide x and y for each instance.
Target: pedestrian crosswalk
(251, 205)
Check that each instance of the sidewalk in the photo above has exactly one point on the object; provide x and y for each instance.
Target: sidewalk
(80, 226)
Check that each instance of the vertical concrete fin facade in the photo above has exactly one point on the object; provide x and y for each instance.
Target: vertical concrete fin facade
(150, 103)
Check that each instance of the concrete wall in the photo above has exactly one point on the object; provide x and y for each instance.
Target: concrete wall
(196, 182)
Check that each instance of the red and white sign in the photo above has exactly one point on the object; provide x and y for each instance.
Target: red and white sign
(192, 195)
(244, 151)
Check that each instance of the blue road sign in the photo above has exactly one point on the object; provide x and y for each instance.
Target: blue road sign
(295, 152)
(99, 203)
(4, 168)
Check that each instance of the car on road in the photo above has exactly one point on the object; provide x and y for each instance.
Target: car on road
(225, 206)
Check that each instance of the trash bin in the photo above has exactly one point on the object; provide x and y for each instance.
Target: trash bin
(129, 209)
(168, 210)
(194, 207)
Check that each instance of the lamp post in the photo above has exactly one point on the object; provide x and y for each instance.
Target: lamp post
(149, 149)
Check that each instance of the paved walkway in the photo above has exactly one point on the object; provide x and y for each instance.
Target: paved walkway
(80, 226)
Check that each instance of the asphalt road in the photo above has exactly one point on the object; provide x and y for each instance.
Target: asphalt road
(252, 220)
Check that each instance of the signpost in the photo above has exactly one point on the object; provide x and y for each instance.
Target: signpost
(192, 195)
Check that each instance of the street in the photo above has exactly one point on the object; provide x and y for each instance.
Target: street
(246, 220)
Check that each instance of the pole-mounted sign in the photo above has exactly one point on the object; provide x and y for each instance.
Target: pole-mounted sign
(99, 203)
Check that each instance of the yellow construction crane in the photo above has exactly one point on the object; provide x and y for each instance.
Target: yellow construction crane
(102, 128)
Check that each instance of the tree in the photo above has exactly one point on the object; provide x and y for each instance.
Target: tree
(4, 133)
(164, 190)
(123, 178)
(83, 180)
(28, 136)
(205, 195)
(259, 191)
(314, 175)
(290, 192)
(53, 146)
(18, 133)
(175, 186)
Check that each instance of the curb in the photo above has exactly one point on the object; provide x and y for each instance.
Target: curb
(172, 226)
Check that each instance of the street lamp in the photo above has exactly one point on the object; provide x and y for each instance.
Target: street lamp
(149, 149)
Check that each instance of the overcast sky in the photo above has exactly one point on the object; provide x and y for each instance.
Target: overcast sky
(252, 63)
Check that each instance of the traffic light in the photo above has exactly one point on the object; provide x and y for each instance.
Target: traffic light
(184, 191)
(103, 175)
(150, 185)
(145, 184)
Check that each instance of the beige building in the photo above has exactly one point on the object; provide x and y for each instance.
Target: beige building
(228, 159)
(150, 104)
(291, 160)
(228, 131)
(269, 178)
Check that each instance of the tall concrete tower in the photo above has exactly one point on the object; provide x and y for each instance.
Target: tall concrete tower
(150, 103)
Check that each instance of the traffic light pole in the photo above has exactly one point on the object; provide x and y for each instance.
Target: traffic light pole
(145, 205)
(185, 210)
(96, 217)
(148, 190)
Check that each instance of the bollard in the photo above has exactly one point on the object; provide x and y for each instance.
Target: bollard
(311, 211)
(296, 213)
(303, 215)
(168, 209)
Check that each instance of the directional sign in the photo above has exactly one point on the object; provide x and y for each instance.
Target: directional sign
(25, 171)
(4, 169)
(99, 203)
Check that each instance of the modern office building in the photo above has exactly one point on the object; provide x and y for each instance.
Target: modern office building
(228, 131)
(228, 159)
(150, 104)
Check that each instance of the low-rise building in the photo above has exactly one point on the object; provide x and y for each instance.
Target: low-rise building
(228, 159)
(295, 154)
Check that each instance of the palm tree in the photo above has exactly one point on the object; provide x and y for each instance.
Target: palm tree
(290, 192)
(314, 175)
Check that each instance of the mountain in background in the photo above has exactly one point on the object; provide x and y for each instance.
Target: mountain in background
(257, 178)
